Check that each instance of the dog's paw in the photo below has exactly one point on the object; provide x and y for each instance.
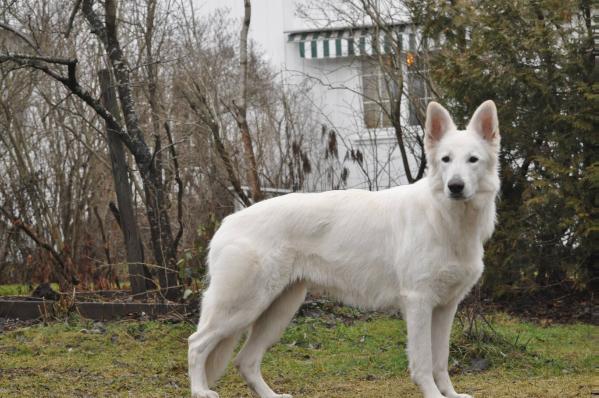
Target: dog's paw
(204, 394)
(456, 395)
(283, 396)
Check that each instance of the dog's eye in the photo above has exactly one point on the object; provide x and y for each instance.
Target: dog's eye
(445, 159)
(473, 159)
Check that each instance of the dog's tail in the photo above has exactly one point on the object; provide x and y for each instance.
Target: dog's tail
(219, 358)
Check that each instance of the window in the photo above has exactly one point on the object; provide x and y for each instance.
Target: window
(377, 89)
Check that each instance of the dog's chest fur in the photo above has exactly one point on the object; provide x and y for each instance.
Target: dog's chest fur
(459, 264)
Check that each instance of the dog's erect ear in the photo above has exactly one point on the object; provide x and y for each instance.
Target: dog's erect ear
(485, 123)
(438, 122)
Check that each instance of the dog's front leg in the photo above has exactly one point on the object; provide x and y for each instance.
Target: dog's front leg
(418, 313)
(441, 331)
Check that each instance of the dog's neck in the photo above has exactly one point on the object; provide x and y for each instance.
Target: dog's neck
(473, 219)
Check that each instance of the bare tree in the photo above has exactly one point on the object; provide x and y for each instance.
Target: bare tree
(272, 121)
(240, 108)
(182, 118)
(164, 244)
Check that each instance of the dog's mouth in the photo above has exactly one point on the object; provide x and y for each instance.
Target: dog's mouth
(457, 196)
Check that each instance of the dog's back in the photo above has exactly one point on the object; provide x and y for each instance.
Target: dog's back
(345, 243)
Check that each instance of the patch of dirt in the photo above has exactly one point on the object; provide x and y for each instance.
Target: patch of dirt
(7, 324)
(542, 307)
(557, 305)
(331, 311)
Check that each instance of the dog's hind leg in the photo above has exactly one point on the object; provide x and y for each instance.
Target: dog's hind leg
(210, 348)
(228, 309)
(265, 332)
(201, 344)
(441, 331)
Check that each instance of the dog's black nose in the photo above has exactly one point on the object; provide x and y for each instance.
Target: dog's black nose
(456, 186)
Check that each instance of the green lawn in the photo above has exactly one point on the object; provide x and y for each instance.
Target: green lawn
(322, 357)
(15, 290)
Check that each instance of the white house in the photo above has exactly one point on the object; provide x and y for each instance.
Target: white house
(336, 62)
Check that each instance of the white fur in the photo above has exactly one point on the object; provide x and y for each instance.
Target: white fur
(412, 247)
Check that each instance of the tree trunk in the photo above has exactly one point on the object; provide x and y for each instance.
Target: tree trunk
(161, 233)
(241, 108)
(139, 275)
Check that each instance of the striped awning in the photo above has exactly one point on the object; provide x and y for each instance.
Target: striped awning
(346, 42)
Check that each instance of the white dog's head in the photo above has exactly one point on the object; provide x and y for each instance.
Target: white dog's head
(462, 163)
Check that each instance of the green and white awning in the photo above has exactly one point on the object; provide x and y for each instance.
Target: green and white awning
(346, 42)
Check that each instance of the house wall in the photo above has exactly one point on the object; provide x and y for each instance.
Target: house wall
(334, 87)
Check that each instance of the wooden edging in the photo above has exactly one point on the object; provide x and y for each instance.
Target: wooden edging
(26, 310)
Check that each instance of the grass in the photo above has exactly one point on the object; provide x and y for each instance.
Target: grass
(14, 290)
(17, 289)
(317, 357)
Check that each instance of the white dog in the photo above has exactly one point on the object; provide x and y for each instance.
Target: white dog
(417, 247)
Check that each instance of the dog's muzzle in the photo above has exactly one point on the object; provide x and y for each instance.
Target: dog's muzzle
(456, 188)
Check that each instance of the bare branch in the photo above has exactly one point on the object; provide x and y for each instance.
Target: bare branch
(21, 36)
(64, 269)
(111, 274)
(74, 12)
(180, 187)
(71, 83)
(211, 120)
(51, 60)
